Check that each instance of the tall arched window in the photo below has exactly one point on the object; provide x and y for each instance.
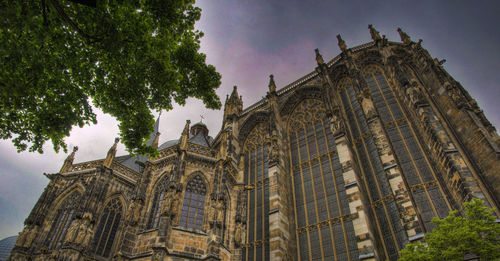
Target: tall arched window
(193, 205)
(62, 221)
(107, 228)
(154, 214)
(256, 176)
(323, 228)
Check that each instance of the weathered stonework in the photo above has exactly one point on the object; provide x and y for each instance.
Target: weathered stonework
(349, 162)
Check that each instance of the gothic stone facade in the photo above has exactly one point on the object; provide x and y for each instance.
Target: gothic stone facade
(350, 162)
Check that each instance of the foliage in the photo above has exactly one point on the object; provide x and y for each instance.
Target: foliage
(125, 57)
(454, 236)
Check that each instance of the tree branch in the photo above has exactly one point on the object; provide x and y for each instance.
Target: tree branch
(68, 20)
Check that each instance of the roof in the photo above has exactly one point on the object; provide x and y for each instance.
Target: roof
(6, 245)
(169, 143)
(200, 139)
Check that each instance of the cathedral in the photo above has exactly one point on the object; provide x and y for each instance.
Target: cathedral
(349, 162)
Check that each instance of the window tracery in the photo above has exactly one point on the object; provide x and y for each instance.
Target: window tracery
(107, 228)
(62, 221)
(318, 186)
(193, 204)
(154, 214)
(256, 176)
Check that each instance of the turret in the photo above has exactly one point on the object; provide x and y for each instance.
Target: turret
(69, 160)
(111, 154)
(185, 135)
(233, 106)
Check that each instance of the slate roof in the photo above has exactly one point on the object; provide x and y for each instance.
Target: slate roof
(6, 245)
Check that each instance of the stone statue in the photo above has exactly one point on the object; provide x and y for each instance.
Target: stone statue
(220, 212)
(274, 148)
(167, 202)
(336, 124)
(175, 207)
(82, 230)
(130, 211)
(272, 85)
(319, 58)
(72, 230)
(456, 96)
(404, 37)
(367, 103)
(89, 234)
(414, 94)
(342, 45)
(237, 234)
(374, 33)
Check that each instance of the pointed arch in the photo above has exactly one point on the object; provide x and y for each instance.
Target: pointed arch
(159, 192)
(317, 186)
(194, 202)
(63, 217)
(107, 227)
(256, 166)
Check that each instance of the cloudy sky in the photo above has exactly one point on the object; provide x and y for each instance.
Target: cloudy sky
(248, 40)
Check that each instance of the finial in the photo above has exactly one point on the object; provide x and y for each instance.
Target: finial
(374, 33)
(117, 140)
(201, 118)
(272, 85)
(342, 45)
(75, 148)
(319, 58)
(404, 37)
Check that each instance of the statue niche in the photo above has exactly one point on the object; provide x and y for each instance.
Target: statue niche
(336, 123)
(364, 97)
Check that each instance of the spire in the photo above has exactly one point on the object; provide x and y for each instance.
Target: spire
(272, 85)
(374, 33)
(154, 137)
(69, 160)
(234, 105)
(111, 154)
(319, 58)
(185, 135)
(404, 37)
(342, 45)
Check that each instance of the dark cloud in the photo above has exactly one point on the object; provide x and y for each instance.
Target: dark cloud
(248, 40)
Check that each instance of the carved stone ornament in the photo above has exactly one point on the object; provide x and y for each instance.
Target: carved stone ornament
(336, 123)
(364, 98)
(72, 231)
(274, 147)
(374, 33)
(341, 42)
(220, 212)
(319, 58)
(414, 94)
(210, 212)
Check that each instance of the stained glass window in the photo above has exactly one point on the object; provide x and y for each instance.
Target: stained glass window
(62, 221)
(193, 204)
(318, 186)
(107, 228)
(256, 175)
(154, 214)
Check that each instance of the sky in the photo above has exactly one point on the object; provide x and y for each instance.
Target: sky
(249, 40)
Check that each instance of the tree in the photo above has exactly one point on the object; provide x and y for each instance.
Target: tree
(128, 58)
(454, 236)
